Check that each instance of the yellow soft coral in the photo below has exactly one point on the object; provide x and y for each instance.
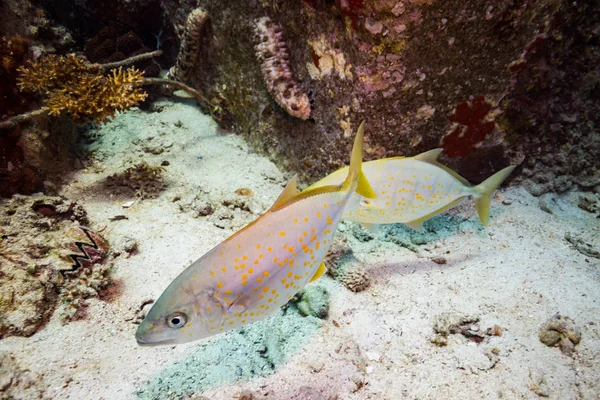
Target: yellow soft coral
(79, 89)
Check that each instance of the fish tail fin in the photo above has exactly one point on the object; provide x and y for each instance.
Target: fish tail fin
(355, 173)
(485, 190)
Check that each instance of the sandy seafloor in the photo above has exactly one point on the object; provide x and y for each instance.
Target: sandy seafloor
(375, 344)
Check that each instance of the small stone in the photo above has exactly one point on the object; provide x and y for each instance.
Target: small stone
(398, 9)
(373, 356)
(589, 203)
(439, 260)
(128, 204)
(507, 202)
(375, 27)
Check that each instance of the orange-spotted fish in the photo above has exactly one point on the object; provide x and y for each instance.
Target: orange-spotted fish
(411, 190)
(254, 272)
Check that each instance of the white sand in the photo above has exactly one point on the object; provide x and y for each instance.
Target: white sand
(376, 344)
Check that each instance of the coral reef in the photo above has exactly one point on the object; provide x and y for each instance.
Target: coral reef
(560, 331)
(273, 54)
(76, 88)
(140, 181)
(416, 71)
(47, 259)
(189, 49)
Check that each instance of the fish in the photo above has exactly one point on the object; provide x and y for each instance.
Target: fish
(254, 272)
(411, 190)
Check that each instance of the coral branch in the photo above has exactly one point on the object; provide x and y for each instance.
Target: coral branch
(127, 61)
(178, 85)
(71, 85)
(273, 54)
(11, 123)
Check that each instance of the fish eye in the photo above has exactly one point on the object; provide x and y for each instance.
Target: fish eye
(176, 320)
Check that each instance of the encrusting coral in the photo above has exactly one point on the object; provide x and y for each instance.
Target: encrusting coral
(79, 89)
(273, 54)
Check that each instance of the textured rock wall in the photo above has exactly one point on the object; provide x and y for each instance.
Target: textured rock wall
(473, 76)
(492, 82)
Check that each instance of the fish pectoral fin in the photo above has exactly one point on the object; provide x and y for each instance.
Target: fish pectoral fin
(416, 225)
(370, 227)
(288, 194)
(320, 271)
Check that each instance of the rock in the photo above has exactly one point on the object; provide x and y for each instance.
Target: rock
(560, 331)
(313, 300)
(589, 202)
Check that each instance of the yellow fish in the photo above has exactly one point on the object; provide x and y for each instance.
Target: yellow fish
(254, 272)
(411, 190)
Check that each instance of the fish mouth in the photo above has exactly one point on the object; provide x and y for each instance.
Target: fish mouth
(143, 339)
(147, 343)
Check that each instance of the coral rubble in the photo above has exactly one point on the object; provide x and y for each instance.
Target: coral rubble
(560, 331)
(273, 54)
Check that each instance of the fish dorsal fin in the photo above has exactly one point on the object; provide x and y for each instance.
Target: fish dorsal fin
(430, 156)
(288, 194)
(320, 271)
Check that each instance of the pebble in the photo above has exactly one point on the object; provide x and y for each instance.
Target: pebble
(439, 260)
(507, 202)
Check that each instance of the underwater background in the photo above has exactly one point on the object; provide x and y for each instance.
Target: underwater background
(137, 135)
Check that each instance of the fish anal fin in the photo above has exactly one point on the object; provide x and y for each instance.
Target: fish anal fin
(416, 225)
(430, 156)
(364, 187)
(370, 227)
(288, 194)
(320, 271)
